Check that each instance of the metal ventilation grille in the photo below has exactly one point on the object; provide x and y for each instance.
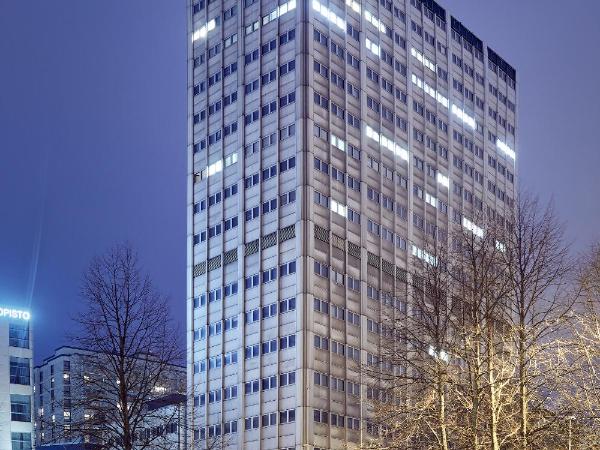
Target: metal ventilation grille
(387, 267)
(373, 260)
(338, 242)
(230, 256)
(251, 247)
(214, 263)
(287, 233)
(354, 250)
(401, 274)
(269, 240)
(200, 268)
(321, 233)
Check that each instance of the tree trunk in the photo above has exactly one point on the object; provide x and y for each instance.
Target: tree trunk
(442, 413)
(523, 408)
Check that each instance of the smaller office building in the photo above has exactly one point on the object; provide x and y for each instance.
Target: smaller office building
(16, 393)
(60, 381)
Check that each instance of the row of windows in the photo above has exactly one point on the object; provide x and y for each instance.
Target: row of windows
(215, 430)
(18, 334)
(337, 174)
(501, 120)
(269, 77)
(269, 140)
(339, 348)
(270, 310)
(268, 47)
(213, 79)
(217, 361)
(216, 328)
(430, 116)
(501, 97)
(336, 384)
(226, 393)
(386, 235)
(270, 206)
(268, 275)
(467, 45)
(270, 108)
(269, 172)
(216, 230)
(502, 74)
(20, 372)
(215, 107)
(215, 295)
(338, 312)
(500, 168)
(336, 420)
(387, 202)
(270, 382)
(285, 342)
(266, 420)
(325, 201)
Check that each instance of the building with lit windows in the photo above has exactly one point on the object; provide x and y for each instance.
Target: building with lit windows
(16, 353)
(53, 396)
(60, 381)
(328, 142)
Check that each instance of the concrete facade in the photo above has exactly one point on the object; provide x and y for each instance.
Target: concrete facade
(328, 143)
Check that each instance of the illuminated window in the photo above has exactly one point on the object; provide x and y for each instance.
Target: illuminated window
(430, 199)
(462, 115)
(422, 59)
(387, 143)
(430, 91)
(218, 166)
(354, 5)
(279, 11)
(373, 47)
(338, 208)
(338, 142)
(424, 256)
(443, 180)
(329, 15)
(477, 231)
(204, 29)
(375, 21)
(500, 246)
(505, 149)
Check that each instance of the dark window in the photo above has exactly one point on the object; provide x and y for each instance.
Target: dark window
(19, 371)
(20, 408)
(21, 441)
(18, 334)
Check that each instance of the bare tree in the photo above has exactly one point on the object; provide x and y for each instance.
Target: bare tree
(583, 391)
(538, 267)
(410, 381)
(479, 296)
(133, 350)
(482, 351)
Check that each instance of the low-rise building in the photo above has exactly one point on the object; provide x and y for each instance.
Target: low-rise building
(61, 381)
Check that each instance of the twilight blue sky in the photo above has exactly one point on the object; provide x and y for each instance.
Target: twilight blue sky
(93, 134)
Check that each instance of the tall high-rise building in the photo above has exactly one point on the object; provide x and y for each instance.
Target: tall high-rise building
(16, 387)
(328, 142)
